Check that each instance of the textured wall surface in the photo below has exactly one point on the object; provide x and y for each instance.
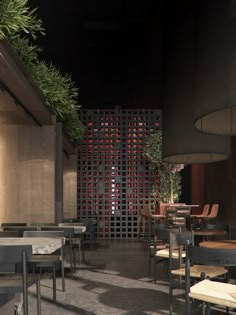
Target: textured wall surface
(27, 166)
(70, 186)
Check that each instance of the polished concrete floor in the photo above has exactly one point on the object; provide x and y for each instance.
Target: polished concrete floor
(113, 281)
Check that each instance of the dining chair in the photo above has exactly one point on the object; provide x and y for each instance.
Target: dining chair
(18, 280)
(151, 220)
(204, 212)
(69, 235)
(77, 240)
(141, 219)
(8, 234)
(42, 261)
(19, 229)
(39, 224)
(221, 227)
(178, 242)
(160, 241)
(70, 220)
(90, 234)
(211, 215)
(163, 254)
(14, 224)
(206, 291)
(196, 218)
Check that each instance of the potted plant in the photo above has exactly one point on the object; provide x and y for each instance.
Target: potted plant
(169, 190)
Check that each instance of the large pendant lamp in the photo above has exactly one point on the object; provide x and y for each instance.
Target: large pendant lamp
(216, 111)
(182, 143)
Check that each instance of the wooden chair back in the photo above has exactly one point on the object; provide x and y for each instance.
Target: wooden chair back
(214, 211)
(205, 210)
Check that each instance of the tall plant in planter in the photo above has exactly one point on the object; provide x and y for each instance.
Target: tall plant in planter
(169, 190)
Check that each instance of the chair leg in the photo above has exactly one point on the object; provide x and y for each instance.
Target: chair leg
(38, 292)
(171, 298)
(71, 262)
(25, 289)
(155, 270)
(208, 309)
(54, 283)
(187, 304)
(149, 262)
(74, 258)
(63, 276)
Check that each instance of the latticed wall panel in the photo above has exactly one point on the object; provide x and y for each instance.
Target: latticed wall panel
(113, 178)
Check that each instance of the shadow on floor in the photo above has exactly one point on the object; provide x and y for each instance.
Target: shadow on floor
(132, 300)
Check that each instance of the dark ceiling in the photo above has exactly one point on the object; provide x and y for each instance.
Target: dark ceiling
(111, 48)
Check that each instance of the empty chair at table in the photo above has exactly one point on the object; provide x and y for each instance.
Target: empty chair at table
(220, 227)
(209, 292)
(141, 222)
(14, 224)
(19, 280)
(151, 219)
(8, 234)
(162, 254)
(211, 215)
(39, 224)
(196, 218)
(159, 241)
(19, 229)
(45, 261)
(177, 245)
(71, 240)
(70, 220)
(78, 239)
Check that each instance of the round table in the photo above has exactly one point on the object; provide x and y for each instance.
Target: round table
(209, 232)
(227, 244)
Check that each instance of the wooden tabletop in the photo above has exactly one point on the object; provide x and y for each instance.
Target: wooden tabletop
(209, 232)
(227, 244)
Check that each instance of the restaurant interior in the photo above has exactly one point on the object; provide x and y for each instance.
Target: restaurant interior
(123, 205)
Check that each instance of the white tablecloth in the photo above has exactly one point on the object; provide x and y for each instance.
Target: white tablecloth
(40, 245)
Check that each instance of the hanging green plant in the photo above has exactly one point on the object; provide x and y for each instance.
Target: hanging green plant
(16, 17)
(27, 52)
(169, 176)
(60, 92)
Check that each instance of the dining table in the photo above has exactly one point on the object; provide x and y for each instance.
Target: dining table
(223, 244)
(40, 245)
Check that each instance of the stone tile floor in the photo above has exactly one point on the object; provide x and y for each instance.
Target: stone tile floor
(113, 281)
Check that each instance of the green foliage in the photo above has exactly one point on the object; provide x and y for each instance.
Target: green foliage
(61, 94)
(16, 17)
(170, 178)
(27, 52)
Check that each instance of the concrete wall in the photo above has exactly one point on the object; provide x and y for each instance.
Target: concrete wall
(70, 186)
(27, 168)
